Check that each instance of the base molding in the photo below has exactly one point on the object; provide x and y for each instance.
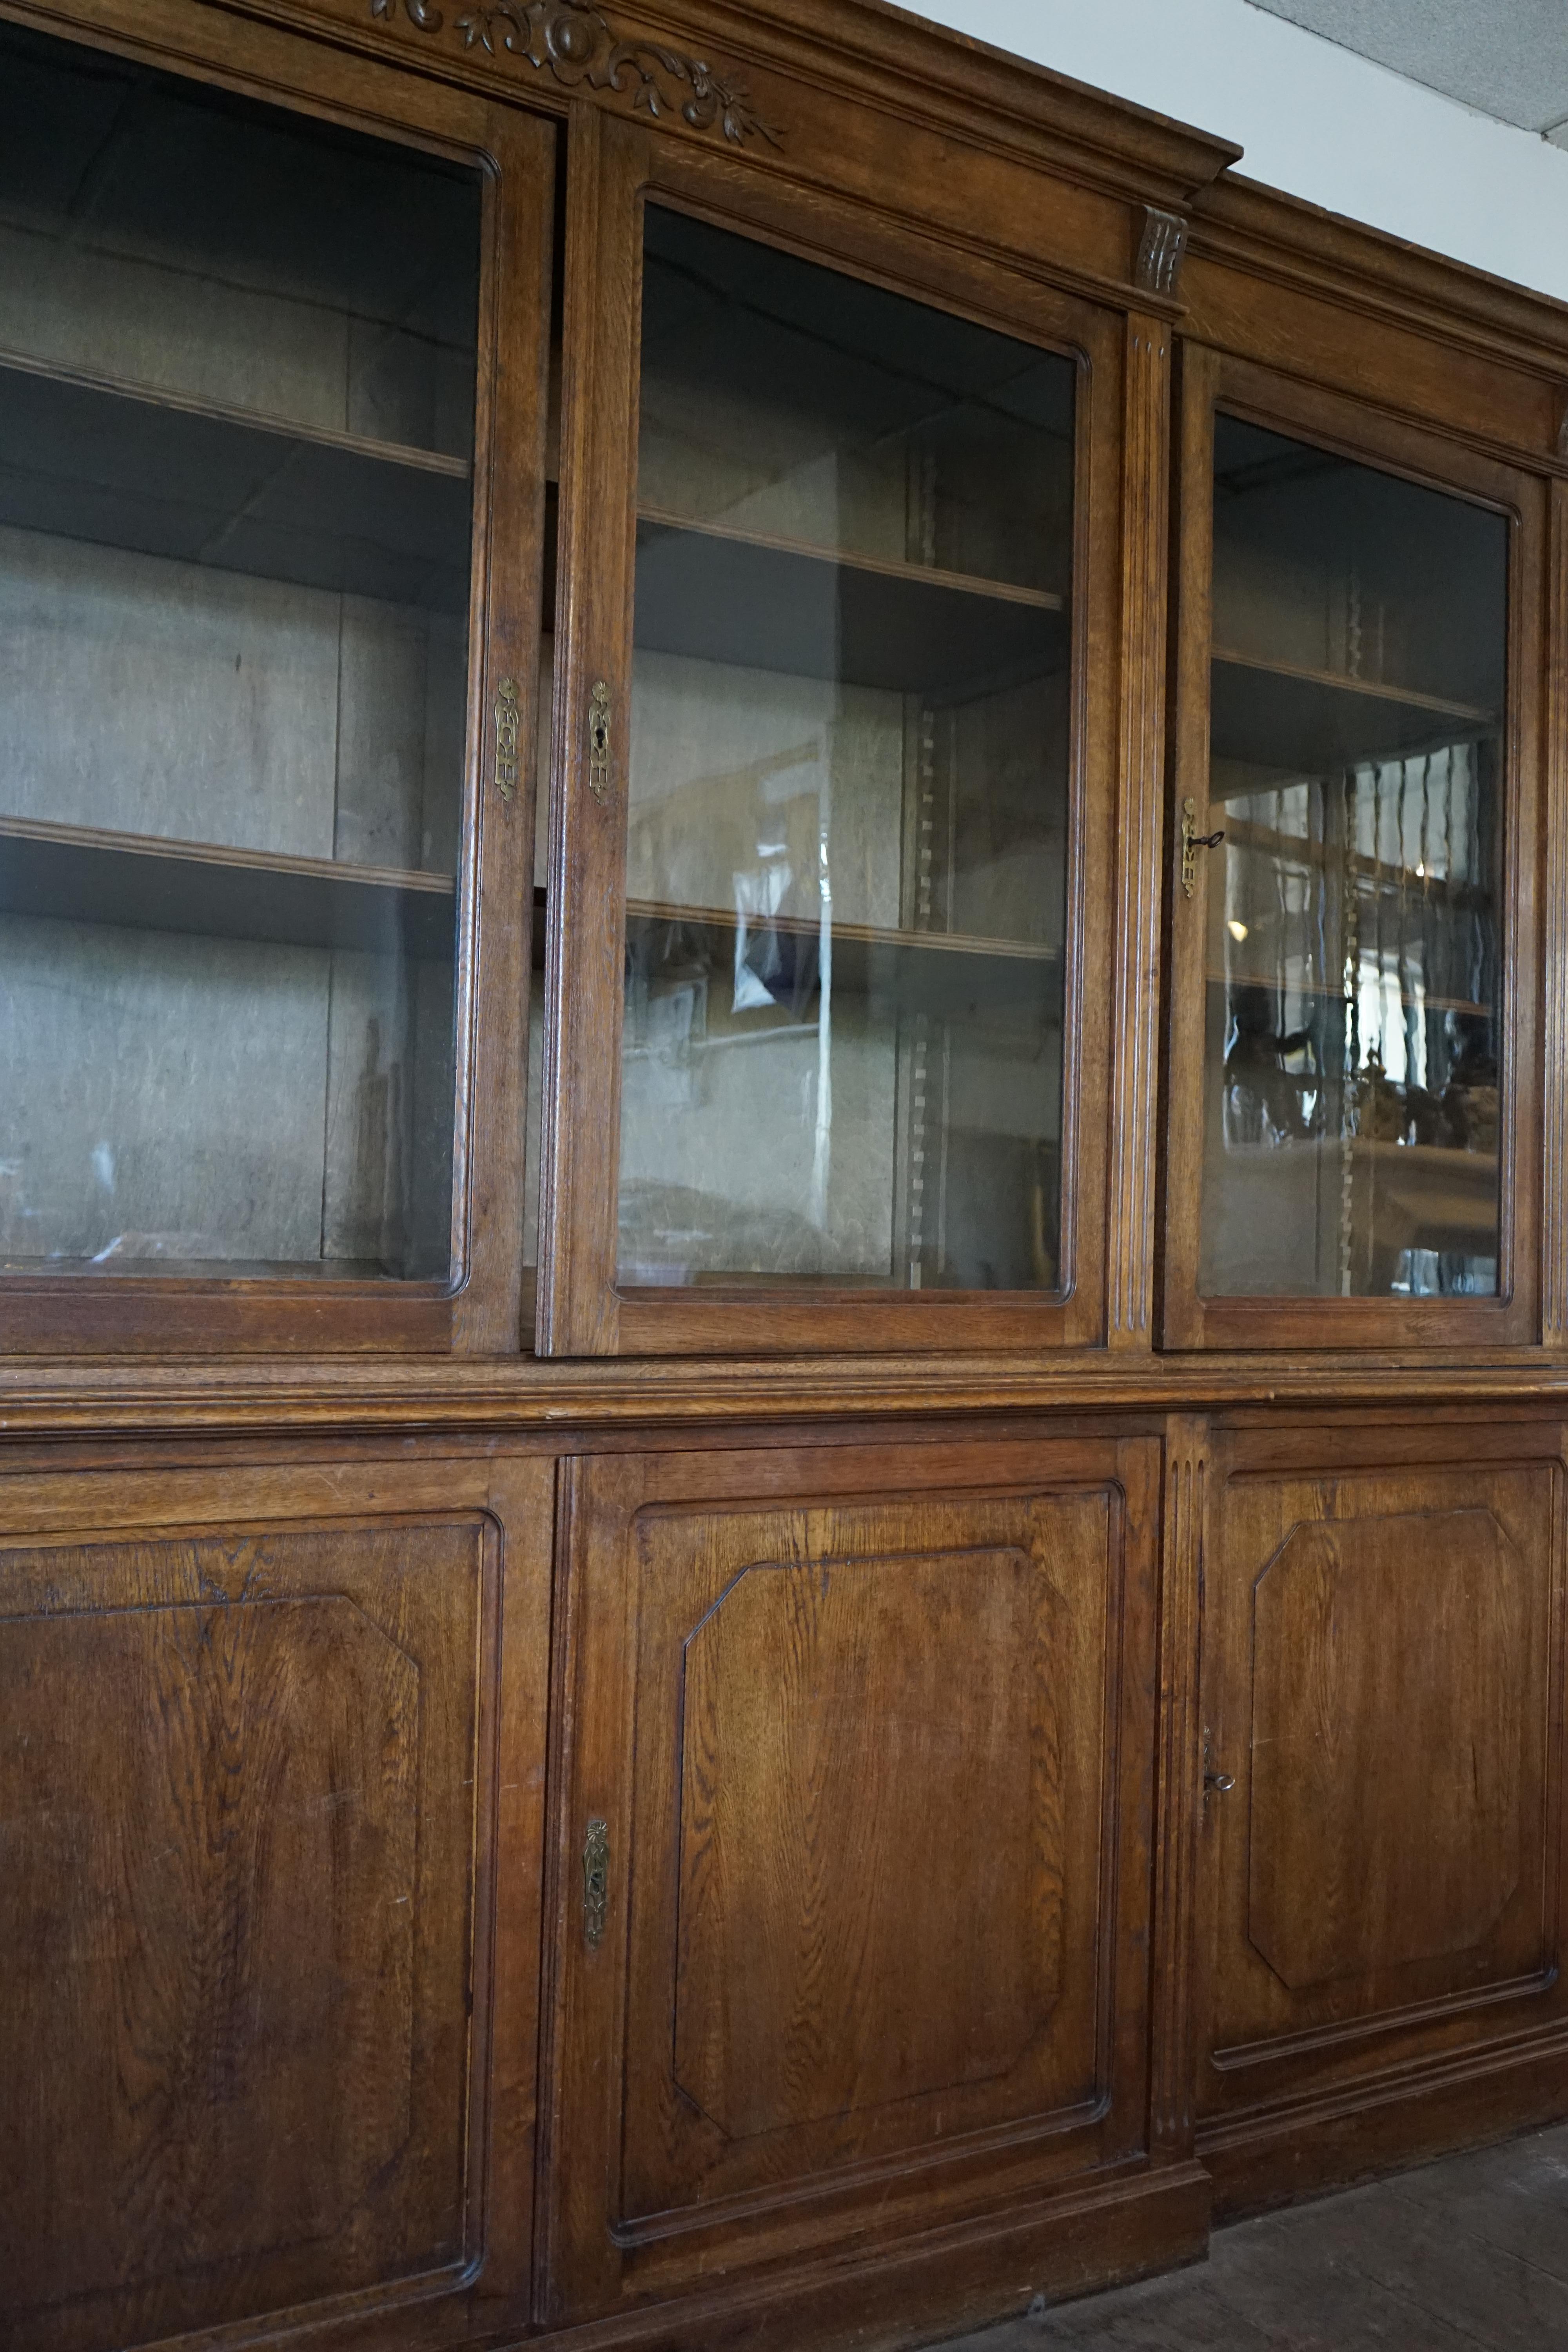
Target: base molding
(939, 2284)
(1312, 2147)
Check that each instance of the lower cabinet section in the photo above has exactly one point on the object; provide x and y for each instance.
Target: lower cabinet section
(853, 1883)
(269, 2016)
(863, 1998)
(1383, 1834)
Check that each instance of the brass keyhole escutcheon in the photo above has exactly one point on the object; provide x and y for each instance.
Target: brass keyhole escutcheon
(595, 1881)
(599, 741)
(506, 737)
(1191, 841)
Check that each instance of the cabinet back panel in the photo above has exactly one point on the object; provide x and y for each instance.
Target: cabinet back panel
(154, 696)
(175, 237)
(218, 1101)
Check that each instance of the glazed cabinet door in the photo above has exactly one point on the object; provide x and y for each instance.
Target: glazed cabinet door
(852, 1883)
(1355, 1093)
(271, 1750)
(272, 410)
(829, 868)
(1381, 1841)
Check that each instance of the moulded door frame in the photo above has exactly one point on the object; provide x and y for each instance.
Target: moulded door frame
(1210, 381)
(478, 1310)
(613, 168)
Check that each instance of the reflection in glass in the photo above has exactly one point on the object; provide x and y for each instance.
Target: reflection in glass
(846, 847)
(235, 522)
(1354, 942)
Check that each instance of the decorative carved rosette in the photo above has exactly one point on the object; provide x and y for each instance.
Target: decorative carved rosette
(577, 43)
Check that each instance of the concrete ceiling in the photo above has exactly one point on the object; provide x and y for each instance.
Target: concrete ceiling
(1508, 59)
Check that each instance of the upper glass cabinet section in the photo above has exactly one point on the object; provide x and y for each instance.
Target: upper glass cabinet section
(1355, 948)
(238, 353)
(847, 849)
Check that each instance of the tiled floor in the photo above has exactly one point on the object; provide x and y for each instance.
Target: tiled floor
(1473, 2251)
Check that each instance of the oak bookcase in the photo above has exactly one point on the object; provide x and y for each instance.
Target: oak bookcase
(783, 1115)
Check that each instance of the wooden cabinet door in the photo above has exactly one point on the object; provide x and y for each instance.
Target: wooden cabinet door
(271, 1755)
(1355, 1128)
(869, 743)
(853, 1894)
(270, 629)
(1382, 1652)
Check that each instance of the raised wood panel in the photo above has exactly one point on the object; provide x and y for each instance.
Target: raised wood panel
(247, 1776)
(1385, 1687)
(844, 1940)
(287, 1771)
(872, 1738)
(1379, 1683)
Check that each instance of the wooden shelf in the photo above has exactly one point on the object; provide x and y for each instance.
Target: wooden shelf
(756, 602)
(938, 971)
(1431, 1197)
(151, 1267)
(1296, 849)
(94, 457)
(959, 943)
(1271, 981)
(1309, 722)
(134, 881)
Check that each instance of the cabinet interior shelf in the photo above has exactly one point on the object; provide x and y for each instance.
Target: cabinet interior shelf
(934, 971)
(1282, 715)
(92, 457)
(757, 603)
(1003, 970)
(135, 881)
(1311, 994)
(1400, 882)
(215, 1271)
(1430, 1196)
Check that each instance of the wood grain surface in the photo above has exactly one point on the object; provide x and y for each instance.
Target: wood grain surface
(248, 1775)
(1141, 866)
(219, 2012)
(1381, 1649)
(871, 1845)
(1387, 1741)
(886, 1635)
(849, 1933)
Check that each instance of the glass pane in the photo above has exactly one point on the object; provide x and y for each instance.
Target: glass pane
(847, 827)
(1355, 945)
(237, 401)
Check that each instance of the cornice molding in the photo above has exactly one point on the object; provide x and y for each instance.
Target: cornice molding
(1246, 225)
(579, 47)
(875, 51)
(972, 86)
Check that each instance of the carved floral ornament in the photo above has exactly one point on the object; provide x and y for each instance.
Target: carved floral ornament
(575, 43)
